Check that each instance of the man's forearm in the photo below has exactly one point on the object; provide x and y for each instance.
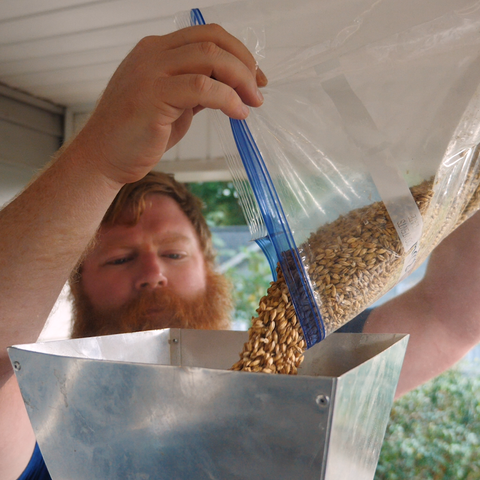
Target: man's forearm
(44, 232)
(442, 312)
(452, 281)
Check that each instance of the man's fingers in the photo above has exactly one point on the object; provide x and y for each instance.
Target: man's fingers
(192, 91)
(206, 58)
(198, 109)
(262, 80)
(162, 82)
(216, 34)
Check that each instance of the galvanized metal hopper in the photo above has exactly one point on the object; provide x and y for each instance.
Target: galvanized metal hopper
(163, 405)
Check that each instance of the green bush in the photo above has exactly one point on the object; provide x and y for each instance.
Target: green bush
(221, 201)
(250, 285)
(434, 431)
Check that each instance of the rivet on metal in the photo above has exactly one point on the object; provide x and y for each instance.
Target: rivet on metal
(322, 400)
(16, 366)
(174, 340)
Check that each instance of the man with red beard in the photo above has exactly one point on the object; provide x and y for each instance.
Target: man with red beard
(151, 266)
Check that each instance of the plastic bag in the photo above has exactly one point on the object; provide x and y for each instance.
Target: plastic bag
(364, 154)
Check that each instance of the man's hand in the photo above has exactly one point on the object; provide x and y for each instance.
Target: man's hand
(149, 103)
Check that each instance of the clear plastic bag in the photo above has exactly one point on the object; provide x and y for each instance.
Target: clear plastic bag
(365, 152)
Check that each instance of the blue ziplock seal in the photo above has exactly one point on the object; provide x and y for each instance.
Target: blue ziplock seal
(279, 233)
(196, 17)
(269, 251)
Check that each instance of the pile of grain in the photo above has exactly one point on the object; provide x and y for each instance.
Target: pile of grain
(351, 262)
(473, 193)
(276, 342)
(357, 258)
(450, 214)
(472, 207)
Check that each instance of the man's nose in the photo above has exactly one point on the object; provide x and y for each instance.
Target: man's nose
(151, 274)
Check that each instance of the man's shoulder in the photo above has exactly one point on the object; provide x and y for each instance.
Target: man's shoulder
(357, 324)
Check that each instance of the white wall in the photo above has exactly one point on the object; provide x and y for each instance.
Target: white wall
(12, 180)
(31, 131)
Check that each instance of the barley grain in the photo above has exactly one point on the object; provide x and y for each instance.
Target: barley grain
(351, 262)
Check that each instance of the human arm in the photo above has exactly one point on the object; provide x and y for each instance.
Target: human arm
(146, 108)
(441, 313)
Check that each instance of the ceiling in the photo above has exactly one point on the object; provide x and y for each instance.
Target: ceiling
(65, 51)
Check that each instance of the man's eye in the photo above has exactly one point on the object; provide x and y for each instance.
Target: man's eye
(119, 261)
(175, 256)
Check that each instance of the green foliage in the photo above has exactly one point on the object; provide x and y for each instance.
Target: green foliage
(434, 431)
(221, 200)
(250, 284)
(253, 278)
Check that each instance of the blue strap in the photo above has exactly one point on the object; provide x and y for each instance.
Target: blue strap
(36, 468)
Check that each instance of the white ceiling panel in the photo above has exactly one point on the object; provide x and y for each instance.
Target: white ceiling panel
(63, 61)
(21, 8)
(73, 93)
(87, 16)
(84, 73)
(65, 51)
(89, 41)
(48, 47)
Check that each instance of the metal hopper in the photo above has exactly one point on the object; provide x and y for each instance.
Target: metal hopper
(163, 405)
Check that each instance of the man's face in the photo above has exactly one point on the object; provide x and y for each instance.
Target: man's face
(161, 253)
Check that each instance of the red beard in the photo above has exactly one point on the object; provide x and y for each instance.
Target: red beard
(154, 310)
